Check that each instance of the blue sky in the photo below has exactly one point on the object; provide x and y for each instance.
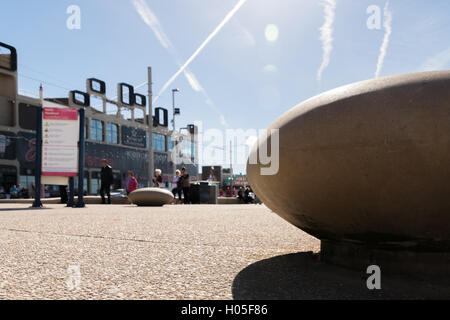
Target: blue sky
(243, 80)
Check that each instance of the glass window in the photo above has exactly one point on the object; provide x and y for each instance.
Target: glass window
(25, 181)
(186, 148)
(112, 133)
(95, 186)
(85, 184)
(96, 130)
(170, 143)
(159, 142)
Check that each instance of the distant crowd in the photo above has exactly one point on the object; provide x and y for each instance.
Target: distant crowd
(181, 183)
(15, 192)
(244, 194)
(181, 187)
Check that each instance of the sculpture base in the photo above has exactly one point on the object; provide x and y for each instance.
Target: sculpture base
(422, 265)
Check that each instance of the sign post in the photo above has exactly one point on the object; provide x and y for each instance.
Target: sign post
(60, 139)
(38, 162)
(57, 148)
(81, 149)
(71, 202)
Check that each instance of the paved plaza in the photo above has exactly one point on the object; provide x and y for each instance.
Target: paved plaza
(173, 252)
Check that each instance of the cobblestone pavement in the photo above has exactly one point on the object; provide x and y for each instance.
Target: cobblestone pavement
(174, 252)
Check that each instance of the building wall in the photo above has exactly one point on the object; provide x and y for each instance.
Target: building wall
(131, 152)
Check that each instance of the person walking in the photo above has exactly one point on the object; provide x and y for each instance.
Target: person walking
(186, 184)
(106, 178)
(131, 183)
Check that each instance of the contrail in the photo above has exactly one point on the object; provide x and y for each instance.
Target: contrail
(437, 62)
(202, 46)
(152, 21)
(149, 17)
(326, 35)
(388, 30)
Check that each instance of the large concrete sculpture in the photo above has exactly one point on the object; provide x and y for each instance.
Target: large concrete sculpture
(151, 197)
(366, 169)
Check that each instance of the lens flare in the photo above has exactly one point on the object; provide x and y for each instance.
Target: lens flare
(272, 33)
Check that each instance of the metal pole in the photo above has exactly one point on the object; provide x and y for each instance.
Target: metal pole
(174, 139)
(174, 136)
(38, 162)
(173, 109)
(71, 202)
(81, 149)
(150, 124)
(231, 163)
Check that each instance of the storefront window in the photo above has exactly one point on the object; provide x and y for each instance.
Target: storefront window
(96, 130)
(112, 133)
(186, 148)
(85, 182)
(170, 142)
(192, 149)
(159, 142)
(25, 181)
(95, 183)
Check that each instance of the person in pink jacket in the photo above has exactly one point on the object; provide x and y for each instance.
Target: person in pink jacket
(131, 183)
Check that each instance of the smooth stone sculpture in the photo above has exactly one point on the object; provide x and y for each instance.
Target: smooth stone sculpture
(366, 167)
(151, 197)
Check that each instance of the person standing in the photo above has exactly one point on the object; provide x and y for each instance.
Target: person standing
(106, 181)
(241, 195)
(20, 189)
(31, 190)
(212, 176)
(247, 197)
(157, 179)
(131, 183)
(177, 187)
(63, 194)
(228, 193)
(186, 183)
(14, 192)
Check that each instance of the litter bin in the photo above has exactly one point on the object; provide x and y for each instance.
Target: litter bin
(213, 194)
(195, 193)
(204, 192)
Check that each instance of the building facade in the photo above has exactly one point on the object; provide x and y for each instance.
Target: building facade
(119, 135)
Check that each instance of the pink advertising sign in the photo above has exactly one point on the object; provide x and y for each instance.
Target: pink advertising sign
(60, 134)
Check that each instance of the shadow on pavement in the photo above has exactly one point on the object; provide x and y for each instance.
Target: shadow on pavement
(23, 209)
(302, 276)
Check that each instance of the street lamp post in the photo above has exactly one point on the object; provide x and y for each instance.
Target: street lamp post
(174, 136)
(173, 107)
(151, 158)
